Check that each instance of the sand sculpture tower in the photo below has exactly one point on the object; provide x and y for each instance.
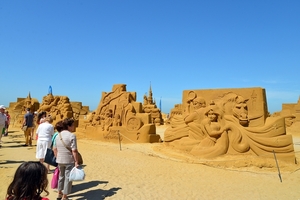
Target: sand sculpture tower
(119, 117)
(149, 106)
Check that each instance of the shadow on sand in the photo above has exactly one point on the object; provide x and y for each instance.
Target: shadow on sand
(92, 194)
(12, 131)
(13, 144)
(11, 162)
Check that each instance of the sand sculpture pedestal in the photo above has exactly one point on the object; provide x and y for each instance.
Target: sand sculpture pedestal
(218, 122)
(119, 118)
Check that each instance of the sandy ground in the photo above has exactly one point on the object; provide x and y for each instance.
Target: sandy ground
(149, 171)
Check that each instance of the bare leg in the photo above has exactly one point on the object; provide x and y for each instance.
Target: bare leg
(6, 130)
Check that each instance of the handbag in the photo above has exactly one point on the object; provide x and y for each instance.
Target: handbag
(50, 158)
(24, 128)
(80, 160)
(55, 177)
(79, 156)
(77, 174)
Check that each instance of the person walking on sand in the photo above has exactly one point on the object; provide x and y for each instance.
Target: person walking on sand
(45, 131)
(65, 158)
(29, 182)
(41, 117)
(2, 121)
(34, 127)
(7, 122)
(28, 122)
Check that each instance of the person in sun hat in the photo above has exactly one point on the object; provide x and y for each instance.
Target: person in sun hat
(2, 121)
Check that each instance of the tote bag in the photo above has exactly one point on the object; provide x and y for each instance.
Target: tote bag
(55, 177)
(50, 158)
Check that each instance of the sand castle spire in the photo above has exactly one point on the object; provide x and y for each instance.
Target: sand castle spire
(29, 96)
(150, 97)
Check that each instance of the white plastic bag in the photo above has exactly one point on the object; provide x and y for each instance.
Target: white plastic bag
(76, 174)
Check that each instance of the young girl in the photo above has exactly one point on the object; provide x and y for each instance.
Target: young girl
(30, 180)
(40, 118)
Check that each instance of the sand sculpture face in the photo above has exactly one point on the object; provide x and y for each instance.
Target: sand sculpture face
(225, 128)
(237, 106)
(198, 102)
(212, 116)
(28, 103)
(240, 110)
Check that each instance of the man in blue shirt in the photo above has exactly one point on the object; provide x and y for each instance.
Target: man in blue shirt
(28, 122)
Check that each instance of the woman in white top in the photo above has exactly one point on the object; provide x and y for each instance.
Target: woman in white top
(45, 131)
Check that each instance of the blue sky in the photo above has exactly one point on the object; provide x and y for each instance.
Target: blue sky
(82, 48)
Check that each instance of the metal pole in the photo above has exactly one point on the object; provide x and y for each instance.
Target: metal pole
(119, 140)
(277, 166)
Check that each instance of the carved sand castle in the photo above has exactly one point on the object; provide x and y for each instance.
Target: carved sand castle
(18, 109)
(59, 107)
(149, 106)
(212, 123)
(119, 117)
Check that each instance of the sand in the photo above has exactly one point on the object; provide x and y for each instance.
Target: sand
(153, 171)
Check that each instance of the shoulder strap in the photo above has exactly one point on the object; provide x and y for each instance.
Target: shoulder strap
(64, 142)
(53, 139)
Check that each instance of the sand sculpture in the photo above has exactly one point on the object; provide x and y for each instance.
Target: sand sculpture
(149, 106)
(60, 107)
(291, 113)
(212, 123)
(18, 109)
(119, 117)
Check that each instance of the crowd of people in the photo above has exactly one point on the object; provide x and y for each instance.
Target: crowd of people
(30, 179)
